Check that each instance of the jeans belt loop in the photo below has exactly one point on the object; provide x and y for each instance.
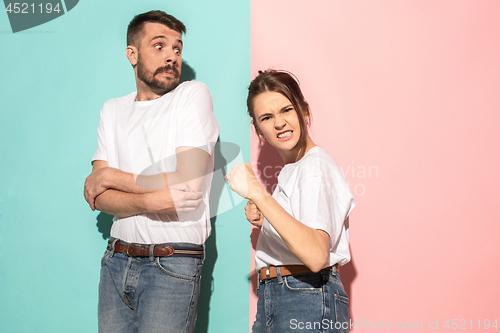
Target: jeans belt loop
(113, 247)
(278, 275)
(151, 256)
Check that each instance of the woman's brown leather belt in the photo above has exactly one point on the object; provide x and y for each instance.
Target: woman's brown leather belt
(270, 272)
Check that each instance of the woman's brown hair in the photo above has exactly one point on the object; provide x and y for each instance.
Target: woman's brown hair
(285, 83)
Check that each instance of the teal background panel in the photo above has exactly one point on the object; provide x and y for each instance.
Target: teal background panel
(54, 80)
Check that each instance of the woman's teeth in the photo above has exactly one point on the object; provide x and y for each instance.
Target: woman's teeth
(285, 134)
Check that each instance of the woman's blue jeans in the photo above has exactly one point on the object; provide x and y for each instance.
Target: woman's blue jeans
(148, 294)
(310, 302)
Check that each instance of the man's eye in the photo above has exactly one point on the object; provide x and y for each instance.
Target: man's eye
(177, 51)
(158, 47)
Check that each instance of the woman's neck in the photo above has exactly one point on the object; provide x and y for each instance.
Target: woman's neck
(294, 155)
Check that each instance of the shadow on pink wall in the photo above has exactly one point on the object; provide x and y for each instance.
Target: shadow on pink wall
(348, 275)
(268, 156)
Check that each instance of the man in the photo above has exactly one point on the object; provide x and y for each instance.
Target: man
(152, 170)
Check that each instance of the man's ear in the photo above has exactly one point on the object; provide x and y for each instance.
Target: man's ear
(132, 54)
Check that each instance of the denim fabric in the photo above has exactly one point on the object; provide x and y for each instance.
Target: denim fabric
(311, 302)
(148, 295)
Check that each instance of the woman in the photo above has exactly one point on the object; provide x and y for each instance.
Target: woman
(304, 224)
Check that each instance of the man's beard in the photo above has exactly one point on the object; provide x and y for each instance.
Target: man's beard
(158, 87)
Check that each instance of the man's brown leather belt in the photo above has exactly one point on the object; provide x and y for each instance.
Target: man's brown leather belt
(270, 272)
(133, 250)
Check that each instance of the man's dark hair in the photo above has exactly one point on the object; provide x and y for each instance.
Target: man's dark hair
(134, 31)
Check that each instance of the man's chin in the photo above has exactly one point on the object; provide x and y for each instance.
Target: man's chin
(164, 87)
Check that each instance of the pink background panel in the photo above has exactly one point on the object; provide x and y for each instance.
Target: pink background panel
(406, 96)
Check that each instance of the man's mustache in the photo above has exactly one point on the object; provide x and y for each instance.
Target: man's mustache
(167, 68)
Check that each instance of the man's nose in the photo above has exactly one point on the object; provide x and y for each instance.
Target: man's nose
(171, 57)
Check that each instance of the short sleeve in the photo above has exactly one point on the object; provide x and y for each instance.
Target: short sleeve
(196, 125)
(101, 153)
(316, 205)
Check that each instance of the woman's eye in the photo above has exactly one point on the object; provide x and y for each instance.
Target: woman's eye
(177, 51)
(158, 47)
(287, 110)
(264, 119)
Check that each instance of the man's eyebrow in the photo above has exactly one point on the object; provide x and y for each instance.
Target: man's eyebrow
(164, 37)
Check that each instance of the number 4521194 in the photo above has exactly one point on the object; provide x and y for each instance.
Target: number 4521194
(462, 324)
(26, 8)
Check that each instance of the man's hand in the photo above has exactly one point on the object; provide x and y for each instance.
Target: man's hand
(184, 200)
(253, 214)
(117, 193)
(95, 184)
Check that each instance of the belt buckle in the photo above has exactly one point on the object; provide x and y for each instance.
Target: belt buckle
(267, 273)
(128, 247)
(264, 278)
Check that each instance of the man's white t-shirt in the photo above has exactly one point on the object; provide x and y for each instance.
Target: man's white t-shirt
(141, 138)
(315, 192)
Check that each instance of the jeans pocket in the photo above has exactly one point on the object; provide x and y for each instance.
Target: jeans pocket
(339, 287)
(312, 282)
(106, 254)
(180, 267)
(342, 312)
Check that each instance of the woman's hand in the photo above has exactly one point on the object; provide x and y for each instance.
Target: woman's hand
(309, 245)
(253, 214)
(242, 180)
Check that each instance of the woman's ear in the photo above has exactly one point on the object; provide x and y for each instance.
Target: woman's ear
(257, 131)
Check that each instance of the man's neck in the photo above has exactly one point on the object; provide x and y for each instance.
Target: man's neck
(146, 95)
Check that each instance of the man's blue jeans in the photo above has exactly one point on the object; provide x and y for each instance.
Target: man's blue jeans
(149, 294)
(311, 302)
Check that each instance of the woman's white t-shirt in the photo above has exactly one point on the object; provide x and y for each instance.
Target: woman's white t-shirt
(315, 192)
